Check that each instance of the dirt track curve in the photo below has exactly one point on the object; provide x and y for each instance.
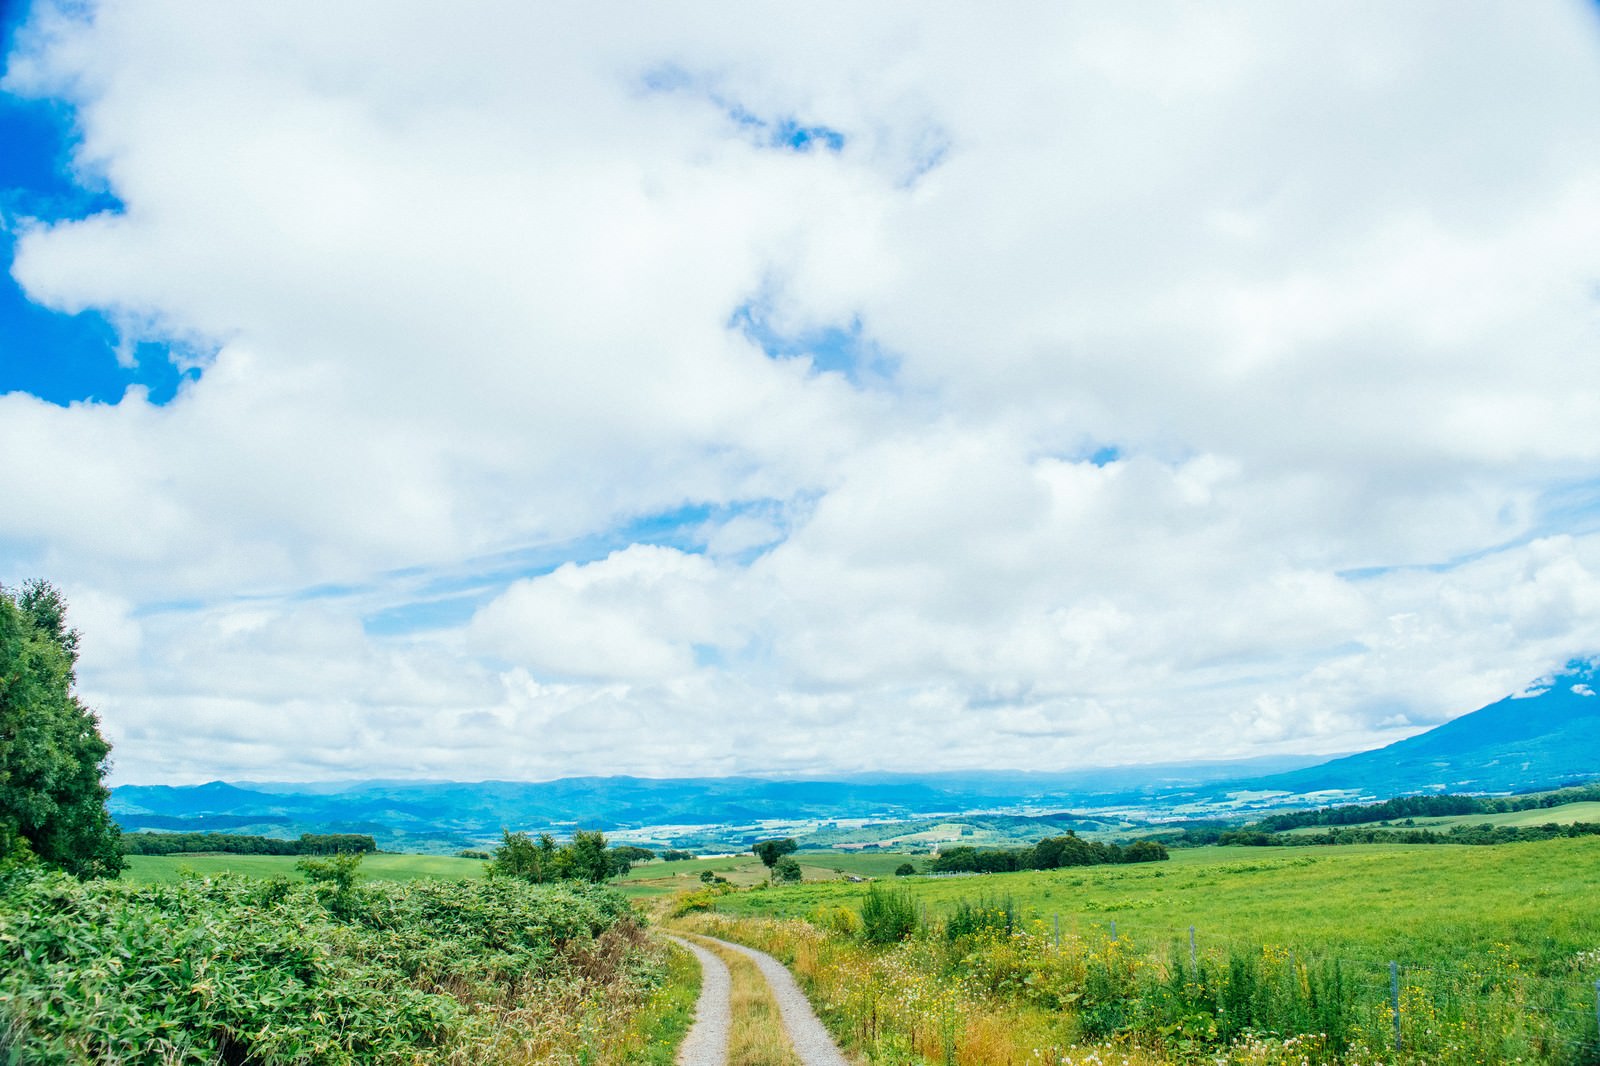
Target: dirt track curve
(707, 1042)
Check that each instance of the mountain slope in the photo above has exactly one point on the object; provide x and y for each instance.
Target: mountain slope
(1548, 737)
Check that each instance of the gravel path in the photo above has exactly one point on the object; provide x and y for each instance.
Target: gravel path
(707, 1042)
(811, 1041)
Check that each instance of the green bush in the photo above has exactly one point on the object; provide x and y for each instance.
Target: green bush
(991, 917)
(887, 915)
(237, 970)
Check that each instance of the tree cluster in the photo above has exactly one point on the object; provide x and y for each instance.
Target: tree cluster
(244, 844)
(1457, 834)
(585, 858)
(1048, 854)
(52, 756)
(1424, 807)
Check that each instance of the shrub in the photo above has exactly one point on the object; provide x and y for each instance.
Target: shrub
(836, 919)
(905, 869)
(236, 970)
(887, 915)
(990, 917)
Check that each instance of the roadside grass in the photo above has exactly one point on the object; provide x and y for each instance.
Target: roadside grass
(657, 1030)
(382, 866)
(756, 1034)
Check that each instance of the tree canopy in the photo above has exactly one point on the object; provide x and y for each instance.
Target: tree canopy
(770, 851)
(52, 756)
(586, 858)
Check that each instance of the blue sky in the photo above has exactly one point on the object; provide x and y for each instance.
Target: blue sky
(680, 394)
(60, 357)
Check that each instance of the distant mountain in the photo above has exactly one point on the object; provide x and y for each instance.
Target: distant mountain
(1543, 738)
(1547, 737)
(445, 814)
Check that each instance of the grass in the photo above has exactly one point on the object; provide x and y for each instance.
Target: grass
(660, 1026)
(157, 869)
(1499, 953)
(665, 878)
(1426, 904)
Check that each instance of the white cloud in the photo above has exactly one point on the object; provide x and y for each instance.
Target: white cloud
(1324, 280)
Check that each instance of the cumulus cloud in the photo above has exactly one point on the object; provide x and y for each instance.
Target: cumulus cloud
(825, 388)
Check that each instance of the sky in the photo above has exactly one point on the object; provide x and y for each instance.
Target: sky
(679, 389)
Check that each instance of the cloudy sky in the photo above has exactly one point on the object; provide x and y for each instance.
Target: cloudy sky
(671, 389)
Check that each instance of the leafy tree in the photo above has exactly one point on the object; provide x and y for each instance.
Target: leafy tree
(785, 870)
(905, 869)
(518, 856)
(585, 859)
(590, 860)
(52, 756)
(770, 851)
(623, 856)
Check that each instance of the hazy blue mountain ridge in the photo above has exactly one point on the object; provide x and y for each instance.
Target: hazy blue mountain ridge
(1543, 739)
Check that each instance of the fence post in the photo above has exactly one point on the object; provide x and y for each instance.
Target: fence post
(1193, 962)
(1113, 929)
(1394, 999)
(1597, 1009)
(1057, 917)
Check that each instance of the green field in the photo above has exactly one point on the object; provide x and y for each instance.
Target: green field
(661, 878)
(1422, 904)
(1565, 814)
(147, 869)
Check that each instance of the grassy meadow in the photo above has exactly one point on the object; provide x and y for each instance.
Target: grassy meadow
(746, 871)
(1372, 902)
(1498, 953)
(382, 866)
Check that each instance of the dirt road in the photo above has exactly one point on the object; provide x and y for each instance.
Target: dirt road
(707, 1042)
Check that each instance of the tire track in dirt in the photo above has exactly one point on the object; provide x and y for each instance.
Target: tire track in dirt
(707, 1041)
(811, 1039)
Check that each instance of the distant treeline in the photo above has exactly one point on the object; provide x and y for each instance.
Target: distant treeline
(1049, 854)
(1459, 834)
(241, 844)
(1352, 824)
(1425, 807)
